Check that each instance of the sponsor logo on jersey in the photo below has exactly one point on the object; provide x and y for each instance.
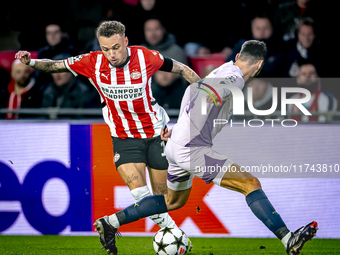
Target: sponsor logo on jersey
(135, 75)
(122, 92)
(106, 76)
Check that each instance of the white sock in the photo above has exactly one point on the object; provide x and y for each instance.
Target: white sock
(163, 220)
(113, 220)
(285, 239)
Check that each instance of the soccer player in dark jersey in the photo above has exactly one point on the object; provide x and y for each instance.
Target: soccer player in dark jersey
(122, 76)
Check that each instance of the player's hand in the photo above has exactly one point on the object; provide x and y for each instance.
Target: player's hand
(165, 134)
(210, 100)
(24, 57)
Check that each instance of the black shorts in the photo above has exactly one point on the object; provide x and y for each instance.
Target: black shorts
(146, 150)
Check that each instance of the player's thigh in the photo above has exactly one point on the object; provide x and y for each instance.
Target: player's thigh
(133, 174)
(212, 166)
(129, 150)
(176, 199)
(179, 177)
(237, 180)
(130, 160)
(158, 180)
(156, 158)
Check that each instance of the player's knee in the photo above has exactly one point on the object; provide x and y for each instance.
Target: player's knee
(252, 185)
(173, 204)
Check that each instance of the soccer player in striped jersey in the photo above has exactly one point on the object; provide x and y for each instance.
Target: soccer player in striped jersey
(122, 76)
(189, 152)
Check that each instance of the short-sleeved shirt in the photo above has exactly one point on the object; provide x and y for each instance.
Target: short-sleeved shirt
(194, 129)
(131, 110)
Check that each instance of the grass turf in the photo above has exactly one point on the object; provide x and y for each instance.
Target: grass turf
(143, 245)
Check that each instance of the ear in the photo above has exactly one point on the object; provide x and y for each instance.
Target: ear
(126, 42)
(260, 63)
(237, 55)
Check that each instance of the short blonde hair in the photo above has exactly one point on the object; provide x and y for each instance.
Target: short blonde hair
(110, 28)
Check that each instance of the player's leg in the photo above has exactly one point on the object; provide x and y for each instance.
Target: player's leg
(178, 190)
(155, 204)
(131, 165)
(157, 166)
(219, 169)
(179, 186)
(158, 184)
(250, 186)
(158, 181)
(133, 174)
(258, 202)
(130, 161)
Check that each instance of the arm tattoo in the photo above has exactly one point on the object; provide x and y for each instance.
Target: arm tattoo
(50, 66)
(185, 71)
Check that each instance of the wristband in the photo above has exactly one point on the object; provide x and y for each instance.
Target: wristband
(32, 62)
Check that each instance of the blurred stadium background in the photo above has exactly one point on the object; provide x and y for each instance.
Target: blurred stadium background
(56, 163)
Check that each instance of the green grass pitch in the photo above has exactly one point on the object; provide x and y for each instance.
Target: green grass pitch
(143, 245)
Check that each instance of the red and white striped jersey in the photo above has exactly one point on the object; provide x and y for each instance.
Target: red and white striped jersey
(130, 107)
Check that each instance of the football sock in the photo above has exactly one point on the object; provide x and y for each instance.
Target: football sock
(113, 220)
(146, 207)
(265, 212)
(163, 219)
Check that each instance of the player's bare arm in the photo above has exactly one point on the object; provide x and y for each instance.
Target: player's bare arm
(43, 65)
(185, 71)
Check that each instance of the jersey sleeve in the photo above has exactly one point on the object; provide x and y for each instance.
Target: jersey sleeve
(155, 60)
(81, 64)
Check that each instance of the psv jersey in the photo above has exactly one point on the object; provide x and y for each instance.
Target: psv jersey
(131, 110)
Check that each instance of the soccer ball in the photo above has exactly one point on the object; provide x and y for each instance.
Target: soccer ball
(170, 241)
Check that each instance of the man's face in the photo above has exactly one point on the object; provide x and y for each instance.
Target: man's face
(114, 48)
(148, 4)
(261, 28)
(307, 75)
(61, 78)
(153, 31)
(53, 34)
(20, 74)
(306, 36)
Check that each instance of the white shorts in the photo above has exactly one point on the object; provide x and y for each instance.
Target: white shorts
(185, 162)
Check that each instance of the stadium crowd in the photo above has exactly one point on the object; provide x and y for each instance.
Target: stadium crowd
(299, 34)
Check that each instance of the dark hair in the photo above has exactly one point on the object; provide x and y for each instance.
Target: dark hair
(253, 51)
(56, 22)
(156, 17)
(110, 28)
(261, 16)
(306, 21)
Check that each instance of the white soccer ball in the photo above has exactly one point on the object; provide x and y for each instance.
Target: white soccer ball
(170, 241)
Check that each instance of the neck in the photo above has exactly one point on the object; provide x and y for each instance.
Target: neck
(18, 89)
(245, 69)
